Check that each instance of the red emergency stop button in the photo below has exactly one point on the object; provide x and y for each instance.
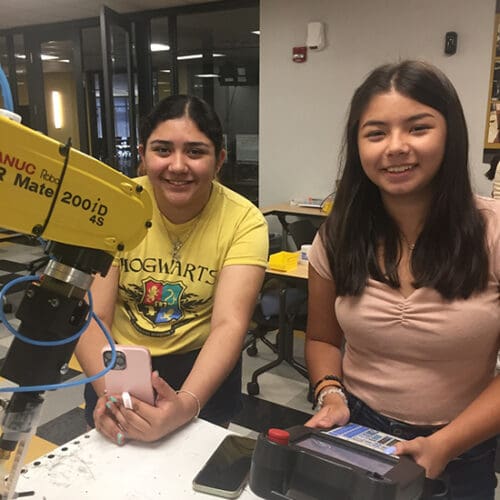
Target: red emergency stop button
(278, 436)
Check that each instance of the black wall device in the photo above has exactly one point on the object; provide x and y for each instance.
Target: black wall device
(450, 43)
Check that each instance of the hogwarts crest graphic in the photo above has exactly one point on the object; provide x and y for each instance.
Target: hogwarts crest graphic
(157, 308)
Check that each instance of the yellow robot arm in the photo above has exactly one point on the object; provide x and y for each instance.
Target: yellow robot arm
(87, 211)
(87, 204)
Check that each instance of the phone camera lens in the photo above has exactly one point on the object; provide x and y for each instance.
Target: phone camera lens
(107, 358)
(120, 361)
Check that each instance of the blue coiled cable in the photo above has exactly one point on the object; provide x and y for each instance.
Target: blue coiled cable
(48, 343)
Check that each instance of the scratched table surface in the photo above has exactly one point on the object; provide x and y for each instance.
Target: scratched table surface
(90, 467)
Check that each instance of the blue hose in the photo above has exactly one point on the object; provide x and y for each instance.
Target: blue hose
(72, 383)
(7, 94)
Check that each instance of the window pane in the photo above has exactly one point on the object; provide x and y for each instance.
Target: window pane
(92, 69)
(160, 59)
(59, 83)
(22, 83)
(218, 60)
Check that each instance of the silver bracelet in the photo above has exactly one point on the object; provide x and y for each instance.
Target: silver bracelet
(195, 397)
(329, 390)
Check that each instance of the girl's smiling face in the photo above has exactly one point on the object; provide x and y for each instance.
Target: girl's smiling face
(401, 144)
(180, 162)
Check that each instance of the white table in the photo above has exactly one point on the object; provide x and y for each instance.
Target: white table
(91, 467)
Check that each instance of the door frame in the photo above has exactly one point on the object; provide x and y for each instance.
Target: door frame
(109, 18)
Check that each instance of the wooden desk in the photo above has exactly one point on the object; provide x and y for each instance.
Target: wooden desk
(284, 210)
(288, 209)
(91, 467)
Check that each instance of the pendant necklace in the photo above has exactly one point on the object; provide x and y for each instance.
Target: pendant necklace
(410, 246)
(178, 243)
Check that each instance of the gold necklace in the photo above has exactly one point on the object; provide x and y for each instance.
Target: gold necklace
(178, 243)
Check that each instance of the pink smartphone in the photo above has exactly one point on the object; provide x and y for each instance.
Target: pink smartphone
(131, 373)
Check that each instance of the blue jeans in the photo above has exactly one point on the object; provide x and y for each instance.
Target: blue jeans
(471, 476)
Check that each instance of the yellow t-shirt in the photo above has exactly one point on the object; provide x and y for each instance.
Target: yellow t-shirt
(165, 304)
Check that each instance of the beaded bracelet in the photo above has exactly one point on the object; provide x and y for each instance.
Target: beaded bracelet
(326, 383)
(328, 377)
(329, 390)
(195, 397)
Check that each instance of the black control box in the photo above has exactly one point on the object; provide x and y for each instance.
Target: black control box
(305, 464)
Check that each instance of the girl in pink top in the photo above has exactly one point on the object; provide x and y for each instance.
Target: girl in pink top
(405, 274)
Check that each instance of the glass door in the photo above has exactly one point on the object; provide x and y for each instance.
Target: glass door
(119, 92)
(55, 85)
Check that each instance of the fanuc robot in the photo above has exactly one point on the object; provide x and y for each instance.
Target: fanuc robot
(86, 212)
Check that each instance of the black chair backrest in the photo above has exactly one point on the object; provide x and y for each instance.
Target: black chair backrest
(302, 232)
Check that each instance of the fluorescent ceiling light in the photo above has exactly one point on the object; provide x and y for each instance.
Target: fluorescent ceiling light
(164, 71)
(256, 32)
(47, 57)
(20, 56)
(207, 75)
(64, 60)
(197, 56)
(190, 56)
(159, 47)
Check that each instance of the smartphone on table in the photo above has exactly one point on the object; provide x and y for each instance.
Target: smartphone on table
(131, 373)
(226, 471)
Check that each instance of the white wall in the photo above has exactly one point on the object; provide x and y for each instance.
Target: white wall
(303, 106)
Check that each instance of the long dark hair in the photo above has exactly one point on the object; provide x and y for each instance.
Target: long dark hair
(177, 106)
(450, 254)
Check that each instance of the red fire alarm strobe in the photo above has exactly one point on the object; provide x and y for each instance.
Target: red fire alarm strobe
(299, 54)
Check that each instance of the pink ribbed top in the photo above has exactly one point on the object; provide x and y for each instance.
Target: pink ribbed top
(420, 359)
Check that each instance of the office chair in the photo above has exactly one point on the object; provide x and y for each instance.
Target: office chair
(283, 308)
(302, 232)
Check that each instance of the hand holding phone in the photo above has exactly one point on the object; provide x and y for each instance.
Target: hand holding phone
(226, 471)
(131, 373)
